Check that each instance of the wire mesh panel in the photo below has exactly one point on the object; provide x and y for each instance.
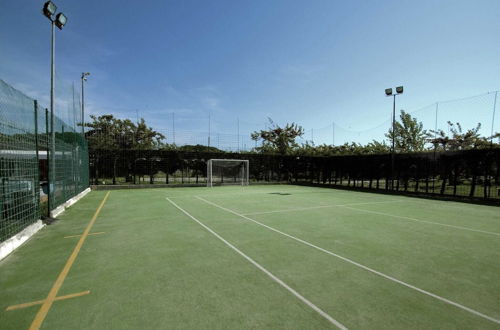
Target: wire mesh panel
(27, 161)
(19, 186)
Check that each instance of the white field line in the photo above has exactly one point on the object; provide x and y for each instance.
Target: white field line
(319, 207)
(423, 221)
(264, 270)
(266, 192)
(465, 308)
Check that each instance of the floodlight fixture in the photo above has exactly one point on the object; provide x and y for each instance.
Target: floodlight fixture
(388, 91)
(49, 9)
(61, 20)
(399, 90)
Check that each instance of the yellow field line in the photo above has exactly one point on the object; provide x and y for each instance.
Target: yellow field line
(44, 309)
(101, 232)
(39, 302)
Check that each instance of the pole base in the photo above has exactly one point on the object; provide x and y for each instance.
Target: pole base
(48, 220)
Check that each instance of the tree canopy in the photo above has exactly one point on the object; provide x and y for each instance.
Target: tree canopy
(278, 139)
(457, 139)
(409, 134)
(110, 133)
(113, 134)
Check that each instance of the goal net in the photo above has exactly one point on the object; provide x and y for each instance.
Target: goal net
(227, 172)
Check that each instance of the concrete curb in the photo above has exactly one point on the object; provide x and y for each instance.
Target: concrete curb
(61, 208)
(17, 240)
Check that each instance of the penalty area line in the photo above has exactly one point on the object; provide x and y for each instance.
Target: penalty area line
(264, 270)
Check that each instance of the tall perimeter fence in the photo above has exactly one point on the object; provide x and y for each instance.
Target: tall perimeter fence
(470, 174)
(362, 126)
(28, 168)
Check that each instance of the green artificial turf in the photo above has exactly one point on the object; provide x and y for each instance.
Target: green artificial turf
(155, 267)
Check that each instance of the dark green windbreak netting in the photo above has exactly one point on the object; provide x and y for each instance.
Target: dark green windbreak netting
(26, 165)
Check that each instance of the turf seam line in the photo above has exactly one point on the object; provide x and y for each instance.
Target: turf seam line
(423, 221)
(320, 207)
(44, 309)
(39, 302)
(72, 236)
(264, 270)
(376, 272)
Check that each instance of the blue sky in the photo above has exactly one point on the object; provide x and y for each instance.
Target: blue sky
(311, 62)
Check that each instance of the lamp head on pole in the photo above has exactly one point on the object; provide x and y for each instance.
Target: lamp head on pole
(49, 9)
(61, 20)
(399, 90)
(84, 75)
(388, 91)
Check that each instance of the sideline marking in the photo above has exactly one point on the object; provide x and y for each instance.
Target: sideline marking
(44, 309)
(319, 207)
(39, 302)
(465, 308)
(101, 232)
(264, 270)
(424, 221)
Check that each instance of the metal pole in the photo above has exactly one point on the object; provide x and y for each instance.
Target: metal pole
(435, 148)
(173, 125)
(238, 120)
(333, 133)
(37, 177)
(83, 106)
(47, 134)
(436, 120)
(52, 110)
(493, 119)
(393, 139)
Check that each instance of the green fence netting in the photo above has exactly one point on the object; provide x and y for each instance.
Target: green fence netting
(19, 193)
(27, 167)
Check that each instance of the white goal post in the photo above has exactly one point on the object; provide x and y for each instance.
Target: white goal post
(227, 172)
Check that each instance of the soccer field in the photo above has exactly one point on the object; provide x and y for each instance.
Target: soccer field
(276, 256)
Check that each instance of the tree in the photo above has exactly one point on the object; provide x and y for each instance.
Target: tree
(198, 148)
(458, 140)
(109, 133)
(495, 136)
(409, 134)
(278, 139)
(113, 135)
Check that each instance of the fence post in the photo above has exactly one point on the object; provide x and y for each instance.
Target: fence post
(49, 163)
(37, 177)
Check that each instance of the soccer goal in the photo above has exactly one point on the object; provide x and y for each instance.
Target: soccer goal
(227, 172)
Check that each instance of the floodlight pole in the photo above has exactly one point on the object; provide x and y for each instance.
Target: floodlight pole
(388, 92)
(84, 75)
(393, 139)
(49, 10)
(52, 172)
